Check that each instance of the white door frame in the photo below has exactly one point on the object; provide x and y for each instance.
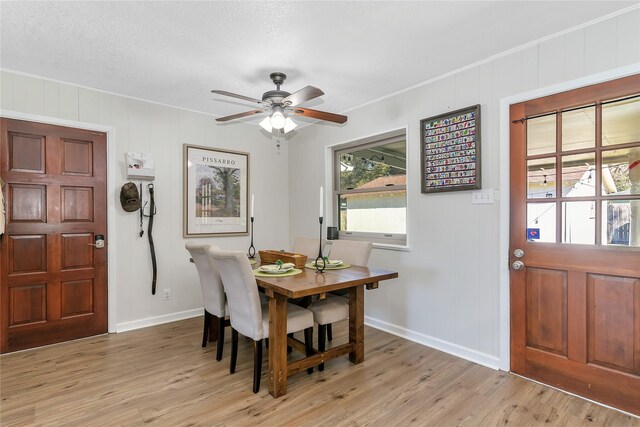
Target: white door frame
(111, 196)
(505, 338)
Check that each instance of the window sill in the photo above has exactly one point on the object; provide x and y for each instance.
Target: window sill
(385, 246)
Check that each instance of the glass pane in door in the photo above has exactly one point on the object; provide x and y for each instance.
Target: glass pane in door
(579, 222)
(619, 225)
(619, 167)
(541, 135)
(579, 175)
(541, 178)
(621, 122)
(579, 129)
(541, 222)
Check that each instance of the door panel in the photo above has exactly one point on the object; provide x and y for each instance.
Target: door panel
(77, 157)
(28, 304)
(547, 310)
(611, 321)
(76, 297)
(575, 214)
(27, 203)
(26, 153)
(77, 251)
(53, 280)
(76, 204)
(27, 254)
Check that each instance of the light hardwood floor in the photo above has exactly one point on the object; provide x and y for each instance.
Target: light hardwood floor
(161, 376)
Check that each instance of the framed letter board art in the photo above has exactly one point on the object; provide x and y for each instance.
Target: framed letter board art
(450, 151)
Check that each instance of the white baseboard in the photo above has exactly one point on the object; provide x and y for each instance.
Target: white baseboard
(457, 350)
(158, 320)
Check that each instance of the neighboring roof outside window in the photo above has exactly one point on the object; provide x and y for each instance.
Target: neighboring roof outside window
(381, 182)
(385, 181)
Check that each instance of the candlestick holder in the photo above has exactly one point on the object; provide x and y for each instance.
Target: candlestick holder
(252, 250)
(320, 258)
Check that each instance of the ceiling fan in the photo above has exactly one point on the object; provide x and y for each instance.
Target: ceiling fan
(280, 104)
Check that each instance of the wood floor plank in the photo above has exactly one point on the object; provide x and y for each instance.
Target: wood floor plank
(162, 376)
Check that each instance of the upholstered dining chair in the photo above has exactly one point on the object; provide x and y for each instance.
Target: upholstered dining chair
(212, 293)
(248, 315)
(310, 247)
(335, 307)
(307, 246)
(351, 251)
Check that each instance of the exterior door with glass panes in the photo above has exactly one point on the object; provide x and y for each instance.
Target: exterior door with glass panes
(575, 241)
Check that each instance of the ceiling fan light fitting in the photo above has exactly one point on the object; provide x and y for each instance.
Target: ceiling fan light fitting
(277, 118)
(289, 125)
(266, 124)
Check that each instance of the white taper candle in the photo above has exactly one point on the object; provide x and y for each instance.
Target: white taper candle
(251, 205)
(321, 200)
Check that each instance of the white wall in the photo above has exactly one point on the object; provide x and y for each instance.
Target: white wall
(161, 131)
(448, 292)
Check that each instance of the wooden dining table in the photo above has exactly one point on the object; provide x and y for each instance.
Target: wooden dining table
(306, 284)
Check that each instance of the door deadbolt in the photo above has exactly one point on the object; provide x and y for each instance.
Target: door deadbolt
(518, 253)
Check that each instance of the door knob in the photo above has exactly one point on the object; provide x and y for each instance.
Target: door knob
(518, 265)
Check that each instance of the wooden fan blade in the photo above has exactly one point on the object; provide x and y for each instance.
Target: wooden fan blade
(235, 95)
(239, 115)
(330, 117)
(304, 94)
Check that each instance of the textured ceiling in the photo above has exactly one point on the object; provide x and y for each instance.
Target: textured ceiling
(355, 51)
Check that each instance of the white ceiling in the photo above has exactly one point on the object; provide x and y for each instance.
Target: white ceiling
(355, 51)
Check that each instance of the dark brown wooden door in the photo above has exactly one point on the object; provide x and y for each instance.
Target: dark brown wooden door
(575, 215)
(54, 281)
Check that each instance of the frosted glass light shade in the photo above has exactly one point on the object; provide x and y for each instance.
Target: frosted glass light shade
(266, 124)
(289, 125)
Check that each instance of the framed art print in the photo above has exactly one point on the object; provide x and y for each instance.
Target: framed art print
(450, 151)
(216, 185)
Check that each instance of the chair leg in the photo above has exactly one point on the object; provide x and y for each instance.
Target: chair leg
(308, 344)
(220, 344)
(257, 365)
(329, 332)
(205, 333)
(234, 350)
(322, 336)
(289, 348)
(266, 343)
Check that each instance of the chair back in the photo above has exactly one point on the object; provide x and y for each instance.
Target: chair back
(351, 251)
(210, 281)
(307, 246)
(245, 311)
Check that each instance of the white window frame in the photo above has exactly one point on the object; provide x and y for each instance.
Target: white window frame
(389, 240)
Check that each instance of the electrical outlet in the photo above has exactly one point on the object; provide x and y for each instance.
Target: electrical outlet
(167, 294)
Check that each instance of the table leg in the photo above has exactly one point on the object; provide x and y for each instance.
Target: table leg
(277, 345)
(356, 323)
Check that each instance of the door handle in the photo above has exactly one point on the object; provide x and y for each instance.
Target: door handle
(518, 265)
(99, 244)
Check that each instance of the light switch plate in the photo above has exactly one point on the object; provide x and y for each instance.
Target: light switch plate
(482, 197)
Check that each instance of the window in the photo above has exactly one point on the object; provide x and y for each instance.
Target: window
(370, 190)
